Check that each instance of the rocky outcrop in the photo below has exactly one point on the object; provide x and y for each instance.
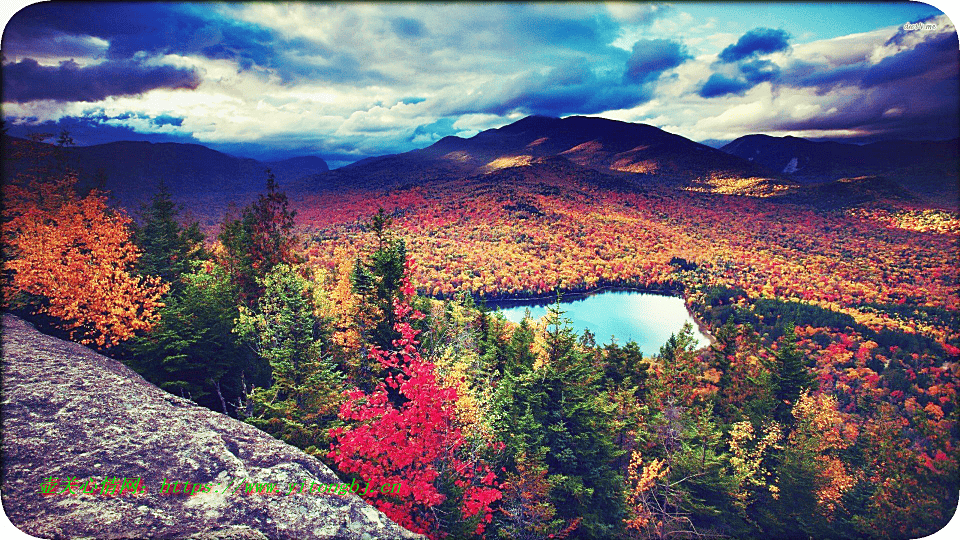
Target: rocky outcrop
(91, 424)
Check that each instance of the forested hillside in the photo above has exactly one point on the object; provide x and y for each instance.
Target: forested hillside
(351, 324)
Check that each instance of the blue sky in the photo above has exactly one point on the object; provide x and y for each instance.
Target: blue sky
(347, 81)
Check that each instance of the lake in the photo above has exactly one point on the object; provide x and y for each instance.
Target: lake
(649, 319)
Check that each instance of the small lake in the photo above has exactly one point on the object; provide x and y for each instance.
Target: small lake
(649, 319)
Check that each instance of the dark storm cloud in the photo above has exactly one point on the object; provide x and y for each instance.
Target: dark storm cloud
(756, 42)
(533, 25)
(582, 87)
(748, 74)
(926, 56)
(28, 81)
(914, 94)
(805, 74)
(651, 57)
(573, 88)
(94, 129)
(934, 58)
(721, 85)
(758, 71)
(740, 67)
(938, 54)
(57, 45)
(930, 113)
(576, 99)
(149, 29)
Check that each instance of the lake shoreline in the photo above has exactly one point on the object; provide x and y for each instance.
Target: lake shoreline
(622, 314)
(574, 294)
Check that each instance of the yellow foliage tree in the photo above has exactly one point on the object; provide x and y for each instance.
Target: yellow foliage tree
(820, 432)
(650, 503)
(748, 451)
(76, 256)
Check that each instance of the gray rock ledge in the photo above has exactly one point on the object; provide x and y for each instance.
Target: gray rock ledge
(70, 412)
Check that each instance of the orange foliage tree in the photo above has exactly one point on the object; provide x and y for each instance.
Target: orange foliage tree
(73, 257)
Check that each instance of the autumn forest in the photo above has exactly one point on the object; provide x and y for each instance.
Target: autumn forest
(350, 320)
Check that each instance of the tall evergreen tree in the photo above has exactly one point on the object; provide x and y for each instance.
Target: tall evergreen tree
(724, 351)
(791, 377)
(167, 247)
(192, 352)
(492, 344)
(556, 409)
(520, 355)
(302, 401)
(377, 281)
(260, 239)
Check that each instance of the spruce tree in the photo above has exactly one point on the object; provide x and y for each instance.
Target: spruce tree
(167, 247)
(492, 346)
(377, 280)
(193, 352)
(790, 378)
(556, 408)
(260, 239)
(302, 401)
(520, 356)
(723, 352)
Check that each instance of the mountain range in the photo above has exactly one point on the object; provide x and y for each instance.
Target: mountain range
(132, 171)
(613, 154)
(803, 159)
(921, 167)
(635, 153)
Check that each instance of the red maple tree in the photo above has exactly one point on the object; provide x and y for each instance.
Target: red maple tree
(416, 445)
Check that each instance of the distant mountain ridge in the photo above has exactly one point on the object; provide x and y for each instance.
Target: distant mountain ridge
(132, 171)
(803, 159)
(608, 153)
(640, 152)
(927, 169)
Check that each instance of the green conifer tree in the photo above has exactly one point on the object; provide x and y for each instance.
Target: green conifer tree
(168, 248)
(557, 409)
(192, 352)
(260, 239)
(302, 402)
(790, 377)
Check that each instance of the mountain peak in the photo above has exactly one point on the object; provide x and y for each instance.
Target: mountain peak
(606, 146)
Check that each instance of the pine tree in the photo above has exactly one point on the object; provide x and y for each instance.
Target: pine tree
(167, 247)
(260, 239)
(302, 401)
(790, 377)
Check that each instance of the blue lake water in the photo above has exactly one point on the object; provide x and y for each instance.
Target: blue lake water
(649, 319)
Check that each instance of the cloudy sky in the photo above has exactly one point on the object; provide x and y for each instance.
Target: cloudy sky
(351, 80)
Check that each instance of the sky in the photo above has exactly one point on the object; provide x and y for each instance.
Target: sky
(347, 81)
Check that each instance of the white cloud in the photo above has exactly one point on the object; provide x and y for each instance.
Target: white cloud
(362, 78)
